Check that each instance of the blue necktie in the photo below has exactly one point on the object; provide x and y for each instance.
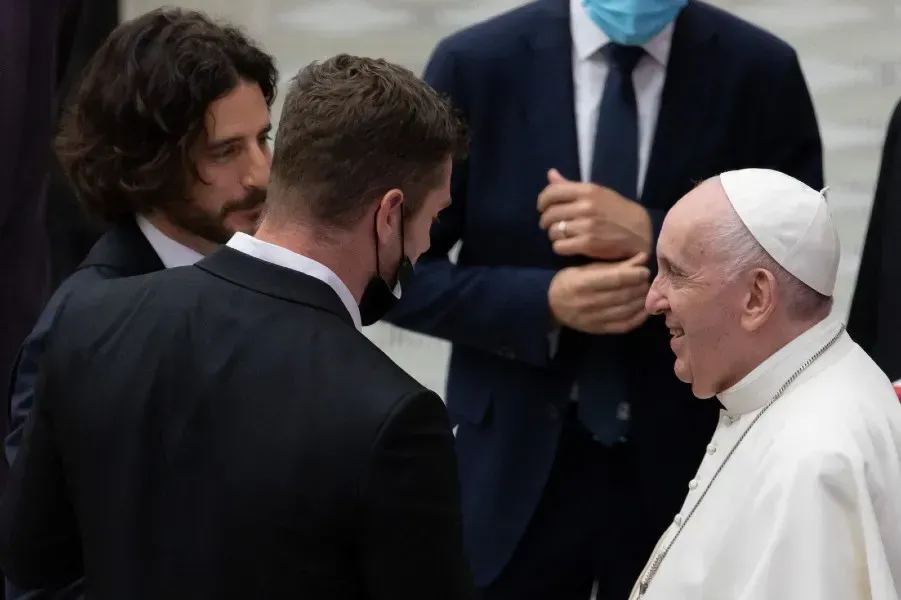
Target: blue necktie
(602, 393)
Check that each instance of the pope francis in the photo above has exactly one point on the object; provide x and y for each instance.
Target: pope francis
(799, 494)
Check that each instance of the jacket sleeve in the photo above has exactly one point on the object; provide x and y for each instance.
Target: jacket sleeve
(25, 374)
(863, 321)
(40, 545)
(791, 139)
(497, 309)
(412, 532)
(25, 371)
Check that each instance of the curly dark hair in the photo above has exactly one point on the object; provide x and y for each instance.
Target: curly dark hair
(126, 137)
(351, 130)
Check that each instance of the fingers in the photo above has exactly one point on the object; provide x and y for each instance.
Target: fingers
(616, 313)
(606, 276)
(565, 211)
(554, 176)
(627, 325)
(639, 259)
(569, 246)
(577, 231)
(618, 297)
(561, 192)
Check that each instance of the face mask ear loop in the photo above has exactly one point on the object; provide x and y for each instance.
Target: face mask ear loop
(375, 235)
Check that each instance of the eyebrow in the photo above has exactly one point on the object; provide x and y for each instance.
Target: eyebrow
(672, 266)
(213, 144)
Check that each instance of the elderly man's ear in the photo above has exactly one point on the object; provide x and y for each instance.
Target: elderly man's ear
(759, 300)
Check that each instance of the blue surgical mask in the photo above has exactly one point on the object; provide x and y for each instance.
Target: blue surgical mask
(633, 22)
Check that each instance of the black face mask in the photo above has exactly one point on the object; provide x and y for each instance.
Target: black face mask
(378, 297)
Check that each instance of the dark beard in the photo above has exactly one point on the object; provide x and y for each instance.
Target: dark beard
(211, 226)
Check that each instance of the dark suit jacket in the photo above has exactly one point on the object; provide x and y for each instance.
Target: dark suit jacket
(121, 252)
(28, 45)
(224, 431)
(875, 319)
(734, 97)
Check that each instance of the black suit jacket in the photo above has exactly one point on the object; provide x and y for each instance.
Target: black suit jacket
(875, 319)
(122, 252)
(224, 431)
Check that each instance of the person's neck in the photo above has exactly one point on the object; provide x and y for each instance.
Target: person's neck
(775, 337)
(177, 234)
(339, 252)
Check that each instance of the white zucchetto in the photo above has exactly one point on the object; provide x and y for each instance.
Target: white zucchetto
(790, 220)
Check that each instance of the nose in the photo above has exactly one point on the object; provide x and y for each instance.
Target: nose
(655, 302)
(258, 169)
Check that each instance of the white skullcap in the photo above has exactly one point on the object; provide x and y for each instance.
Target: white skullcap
(790, 220)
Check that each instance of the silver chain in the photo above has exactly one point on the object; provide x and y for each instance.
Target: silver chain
(658, 558)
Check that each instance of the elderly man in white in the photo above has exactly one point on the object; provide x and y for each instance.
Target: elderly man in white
(799, 494)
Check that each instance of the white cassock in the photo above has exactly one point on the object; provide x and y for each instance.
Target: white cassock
(808, 507)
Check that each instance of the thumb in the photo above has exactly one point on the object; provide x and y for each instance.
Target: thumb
(554, 176)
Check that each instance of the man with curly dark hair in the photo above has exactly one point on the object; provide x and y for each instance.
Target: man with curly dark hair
(166, 140)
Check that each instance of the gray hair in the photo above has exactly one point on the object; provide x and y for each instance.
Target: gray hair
(743, 252)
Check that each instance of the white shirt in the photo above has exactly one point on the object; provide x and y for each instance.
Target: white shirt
(171, 253)
(589, 75)
(283, 257)
(808, 507)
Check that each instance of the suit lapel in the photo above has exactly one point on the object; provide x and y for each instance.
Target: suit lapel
(124, 249)
(273, 280)
(548, 97)
(684, 107)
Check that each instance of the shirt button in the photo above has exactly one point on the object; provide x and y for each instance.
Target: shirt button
(711, 448)
(693, 484)
(678, 520)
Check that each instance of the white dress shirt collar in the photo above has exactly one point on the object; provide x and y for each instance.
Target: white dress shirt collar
(588, 38)
(171, 253)
(761, 384)
(283, 257)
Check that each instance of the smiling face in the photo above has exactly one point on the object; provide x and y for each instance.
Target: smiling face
(692, 290)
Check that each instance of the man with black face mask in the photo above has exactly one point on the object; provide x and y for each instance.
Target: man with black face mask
(576, 441)
(225, 430)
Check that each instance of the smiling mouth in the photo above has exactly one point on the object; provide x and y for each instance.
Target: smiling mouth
(676, 332)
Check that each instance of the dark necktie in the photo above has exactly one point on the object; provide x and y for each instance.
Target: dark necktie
(602, 393)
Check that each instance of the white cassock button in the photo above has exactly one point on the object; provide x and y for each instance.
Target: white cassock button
(678, 520)
(693, 484)
(711, 448)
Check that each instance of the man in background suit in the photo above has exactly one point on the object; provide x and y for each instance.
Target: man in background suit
(576, 441)
(29, 42)
(160, 214)
(875, 319)
(225, 430)
(71, 232)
